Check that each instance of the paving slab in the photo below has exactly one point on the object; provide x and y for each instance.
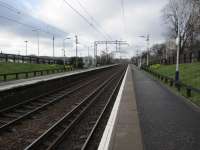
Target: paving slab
(123, 125)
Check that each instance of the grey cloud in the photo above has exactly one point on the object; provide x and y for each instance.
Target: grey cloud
(22, 25)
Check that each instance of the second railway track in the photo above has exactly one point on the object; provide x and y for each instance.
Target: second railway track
(38, 111)
(75, 129)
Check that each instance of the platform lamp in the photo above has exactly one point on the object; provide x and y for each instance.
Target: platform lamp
(177, 55)
(38, 39)
(147, 40)
(26, 46)
(67, 38)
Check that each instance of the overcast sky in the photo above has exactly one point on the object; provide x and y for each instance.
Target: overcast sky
(19, 18)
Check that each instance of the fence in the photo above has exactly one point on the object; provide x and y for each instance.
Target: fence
(22, 75)
(172, 82)
(28, 59)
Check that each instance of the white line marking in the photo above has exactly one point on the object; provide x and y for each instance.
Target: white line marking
(106, 138)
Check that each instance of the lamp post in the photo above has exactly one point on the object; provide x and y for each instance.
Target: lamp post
(177, 55)
(26, 46)
(76, 41)
(147, 40)
(64, 49)
(53, 43)
(38, 39)
(53, 46)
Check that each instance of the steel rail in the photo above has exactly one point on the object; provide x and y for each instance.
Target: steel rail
(69, 119)
(104, 111)
(38, 108)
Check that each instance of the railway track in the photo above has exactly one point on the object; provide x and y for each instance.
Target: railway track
(97, 102)
(13, 115)
(20, 134)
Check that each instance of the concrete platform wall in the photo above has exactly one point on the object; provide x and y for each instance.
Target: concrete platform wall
(15, 95)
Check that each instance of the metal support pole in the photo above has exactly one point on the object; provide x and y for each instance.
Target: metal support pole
(76, 37)
(177, 64)
(38, 37)
(26, 46)
(116, 45)
(53, 47)
(148, 39)
(120, 51)
(88, 56)
(94, 55)
(177, 56)
(38, 40)
(64, 57)
(106, 52)
(64, 49)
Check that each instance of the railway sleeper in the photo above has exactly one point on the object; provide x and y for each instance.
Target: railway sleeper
(11, 115)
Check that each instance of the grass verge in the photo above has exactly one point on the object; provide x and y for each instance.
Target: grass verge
(6, 68)
(14, 67)
(189, 74)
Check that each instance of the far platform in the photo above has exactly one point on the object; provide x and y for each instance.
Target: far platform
(23, 82)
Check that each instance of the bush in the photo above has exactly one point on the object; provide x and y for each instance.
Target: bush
(156, 66)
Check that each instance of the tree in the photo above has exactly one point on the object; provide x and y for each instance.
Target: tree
(73, 62)
(158, 50)
(182, 17)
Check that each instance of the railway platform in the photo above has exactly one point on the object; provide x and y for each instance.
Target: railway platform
(23, 82)
(123, 129)
(161, 119)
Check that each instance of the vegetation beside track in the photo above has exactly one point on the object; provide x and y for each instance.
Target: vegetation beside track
(189, 75)
(14, 71)
(19, 67)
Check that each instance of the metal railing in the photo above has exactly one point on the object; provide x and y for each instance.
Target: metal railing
(28, 74)
(178, 84)
(12, 58)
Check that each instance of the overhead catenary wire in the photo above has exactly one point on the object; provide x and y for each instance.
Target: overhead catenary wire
(123, 16)
(9, 7)
(93, 19)
(19, 12)
(26, 25)
(18, 22)
(84, 18)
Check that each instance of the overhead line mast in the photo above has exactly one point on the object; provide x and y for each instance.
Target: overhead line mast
(117, 43)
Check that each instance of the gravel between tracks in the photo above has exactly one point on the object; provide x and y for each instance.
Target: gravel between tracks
(23, 134)
(74, 139)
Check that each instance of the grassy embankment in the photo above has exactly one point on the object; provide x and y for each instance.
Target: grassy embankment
(189, 74)
(16, 68)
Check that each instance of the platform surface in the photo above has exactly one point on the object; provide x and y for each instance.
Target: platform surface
(123, 129)
(167, 121)
(150, 116)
